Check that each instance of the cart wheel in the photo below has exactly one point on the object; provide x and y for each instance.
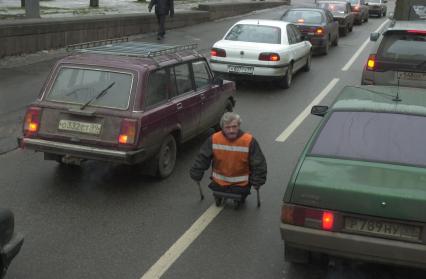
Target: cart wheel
(237, 204)
(218, 201)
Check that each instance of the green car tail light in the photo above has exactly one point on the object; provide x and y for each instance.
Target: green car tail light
(308, 217)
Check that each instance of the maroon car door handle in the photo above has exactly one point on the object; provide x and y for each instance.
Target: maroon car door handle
(179, 106)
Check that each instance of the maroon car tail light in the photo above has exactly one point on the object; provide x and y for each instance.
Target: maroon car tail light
(128, 131)
(218, 52)
(308, 217)
(32, 121)
(371, 62)
(319, 32)
(269, 56)
(357, 8)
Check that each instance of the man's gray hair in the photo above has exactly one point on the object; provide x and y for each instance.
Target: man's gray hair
(228, 117)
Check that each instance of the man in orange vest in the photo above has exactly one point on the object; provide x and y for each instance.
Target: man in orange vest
(236, 159)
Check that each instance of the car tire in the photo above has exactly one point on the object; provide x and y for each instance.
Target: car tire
(296, 255)
(166, 158)
(285, 82)
(336, 40)
(307, 66)
(351, 27)
(345, 30)
(326, 49)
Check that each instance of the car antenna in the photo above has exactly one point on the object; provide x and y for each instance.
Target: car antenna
(397, 99)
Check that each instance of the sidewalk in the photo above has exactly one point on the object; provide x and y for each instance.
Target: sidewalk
(11, 9)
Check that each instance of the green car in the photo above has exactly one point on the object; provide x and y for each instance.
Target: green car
(359, 188)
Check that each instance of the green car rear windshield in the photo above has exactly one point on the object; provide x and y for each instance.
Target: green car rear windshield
(78, 86)
(372, 136)
(255, 34)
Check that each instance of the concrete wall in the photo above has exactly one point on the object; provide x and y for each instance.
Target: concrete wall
(31, 35)
(220, 10)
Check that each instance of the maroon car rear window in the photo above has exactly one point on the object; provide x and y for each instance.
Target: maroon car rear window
(372, 136)
(78, 86)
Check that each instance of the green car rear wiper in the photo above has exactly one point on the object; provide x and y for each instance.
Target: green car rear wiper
(102, 93)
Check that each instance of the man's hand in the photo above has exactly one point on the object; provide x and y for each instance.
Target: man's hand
(150, 9)
(257, 187)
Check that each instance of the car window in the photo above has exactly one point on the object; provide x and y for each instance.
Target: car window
(290, 35)
(77, 85)
(183, 78)
(158, 87)
(403, 46)
(297, 34)
(329, 17)
(201, 74)
(255, 34)
(298, 16)
(353, 2)
(372, 136)
(334, 7)
(417, 12)
(374, 1)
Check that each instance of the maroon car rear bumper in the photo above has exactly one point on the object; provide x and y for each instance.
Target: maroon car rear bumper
(82, 151)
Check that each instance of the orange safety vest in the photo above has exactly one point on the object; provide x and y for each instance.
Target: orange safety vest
(231, 164)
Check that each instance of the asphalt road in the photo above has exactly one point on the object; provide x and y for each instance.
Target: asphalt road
(105, 221)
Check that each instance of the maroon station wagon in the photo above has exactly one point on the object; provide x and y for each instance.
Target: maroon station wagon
(125, 102)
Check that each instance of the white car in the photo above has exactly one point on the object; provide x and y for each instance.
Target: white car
(266, 49)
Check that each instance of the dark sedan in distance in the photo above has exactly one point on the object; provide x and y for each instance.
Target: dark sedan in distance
(10, 242)
(317, 25)
(342, 13)
(377, 7)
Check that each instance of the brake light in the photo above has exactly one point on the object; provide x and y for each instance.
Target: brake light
(128, 131)
(308, 217)
(218, 52)
(327, 221)
(419, 32)
(319, 31)
(32, 121)
(371, 62)
(300, 20)
(357, 8)
(269, 56)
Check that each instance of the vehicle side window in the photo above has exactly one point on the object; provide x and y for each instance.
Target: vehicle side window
(297, 34)
(183, 78)
(290, 35)
(201, 74)
(158, 87)
(329, 17)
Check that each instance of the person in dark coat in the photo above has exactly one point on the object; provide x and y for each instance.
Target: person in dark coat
(162, 9)
(236, 159)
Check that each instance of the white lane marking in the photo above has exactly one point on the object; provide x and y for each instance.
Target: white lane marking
(358, 52)
(174, 252)
(299, 119)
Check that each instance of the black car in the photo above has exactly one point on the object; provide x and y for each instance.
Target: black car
(377, 7)
(342, 13)
(317, 25)
(10, 242)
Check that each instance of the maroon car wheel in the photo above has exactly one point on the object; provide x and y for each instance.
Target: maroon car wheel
(167, 157)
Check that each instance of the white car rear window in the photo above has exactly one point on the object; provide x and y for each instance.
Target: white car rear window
(255, 34)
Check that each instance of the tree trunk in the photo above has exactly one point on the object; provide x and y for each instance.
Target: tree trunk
(94, 3)
(32, 8)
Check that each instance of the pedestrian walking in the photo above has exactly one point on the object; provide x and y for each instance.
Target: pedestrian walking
(235, 157)
(162, 9)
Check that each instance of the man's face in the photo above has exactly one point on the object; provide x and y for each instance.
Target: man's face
(231, 129)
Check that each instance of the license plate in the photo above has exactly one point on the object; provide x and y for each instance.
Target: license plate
(411, 76)
(240, 69)
(81, 127)
(381, 228)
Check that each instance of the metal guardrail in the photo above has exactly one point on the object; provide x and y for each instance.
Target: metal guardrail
(122, 46)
